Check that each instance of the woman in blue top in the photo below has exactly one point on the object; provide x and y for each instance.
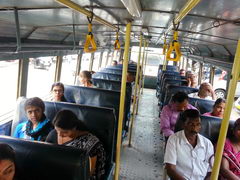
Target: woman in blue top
(37, 126)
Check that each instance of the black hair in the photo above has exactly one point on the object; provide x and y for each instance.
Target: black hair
(67, 120)
(35, 101)
(190, 114)
(179, 97)
(88, 75)
(7, 152)
(57, 84)
(219, 101)
(232, 128)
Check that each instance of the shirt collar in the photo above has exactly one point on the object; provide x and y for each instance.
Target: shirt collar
(185, 141)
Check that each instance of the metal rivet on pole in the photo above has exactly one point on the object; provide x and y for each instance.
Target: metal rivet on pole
(226, 116)
(122, 99)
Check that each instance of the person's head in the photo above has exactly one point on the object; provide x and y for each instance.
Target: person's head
(130, 77)
(180, 100)
(235, 131)
(182, 72)
(219, 107)
(121, 61)
(114, 63)
(205, 89)
(67, 124)
(57, 91)
(193, 78)
(85, 77)
(7, 162)
(34, 108)
(191, 121)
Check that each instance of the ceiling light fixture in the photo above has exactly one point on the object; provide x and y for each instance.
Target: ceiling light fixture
(133, 7)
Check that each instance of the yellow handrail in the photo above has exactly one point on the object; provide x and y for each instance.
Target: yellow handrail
(235, 74)
(165, 46)
(174, 46)
(122, 99)
(144, 69)
(117, 45)
(90, 41)
(135, 91)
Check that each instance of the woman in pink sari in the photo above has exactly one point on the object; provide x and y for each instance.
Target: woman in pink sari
(230, 166)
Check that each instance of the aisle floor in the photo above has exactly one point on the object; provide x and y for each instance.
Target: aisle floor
(144, 159)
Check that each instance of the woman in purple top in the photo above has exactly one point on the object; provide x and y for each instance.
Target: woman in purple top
(218, 108)
(171, 111)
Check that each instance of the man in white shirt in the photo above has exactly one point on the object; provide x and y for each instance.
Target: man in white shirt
(188, 154)
(205, 92)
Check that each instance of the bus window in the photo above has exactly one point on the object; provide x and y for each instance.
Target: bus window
(220, 83)
(8, 81)
(104, 59)
(40, 77)
(69, 69)
(96, 61)
(85, 61)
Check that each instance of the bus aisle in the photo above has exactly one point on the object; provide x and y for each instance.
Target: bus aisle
(143, 161)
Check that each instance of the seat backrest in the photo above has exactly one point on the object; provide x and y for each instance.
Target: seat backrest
(107, 76)
(40, 161)
(203, 105)
(172, 89)
(100, 121)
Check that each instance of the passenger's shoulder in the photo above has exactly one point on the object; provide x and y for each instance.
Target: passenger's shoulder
(205, 140)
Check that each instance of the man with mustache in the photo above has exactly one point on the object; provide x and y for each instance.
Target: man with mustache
(188, 154)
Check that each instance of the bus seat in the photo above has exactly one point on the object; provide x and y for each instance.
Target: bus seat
(38, 161)
(95, 97)
(100, 121)
(5, 128)
(203, 105)
(115, 70)
(172, 89)
(108, 76)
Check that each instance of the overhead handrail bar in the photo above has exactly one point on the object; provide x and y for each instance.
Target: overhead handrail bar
(82, 10)
(235, 76)
(182, 13)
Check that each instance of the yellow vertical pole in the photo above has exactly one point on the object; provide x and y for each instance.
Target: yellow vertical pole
(164, 63)
(141, 73)
(122, 99)
(135, 91)
(145, 64)
(235, 74)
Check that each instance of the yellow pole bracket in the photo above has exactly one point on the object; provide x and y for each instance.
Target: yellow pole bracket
(174, 47)
(90, 41)
(117, 45)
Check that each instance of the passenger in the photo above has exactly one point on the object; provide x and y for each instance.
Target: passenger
(7, 162)
(182, 72)
(230, 165)
(85, 78)
(130, 77)
(37, 126)
(114, 63)
(188, 154)
(170, 112)
(205, 92)
(218, 108)
(70, 131)
(192, 80)
(58, 92)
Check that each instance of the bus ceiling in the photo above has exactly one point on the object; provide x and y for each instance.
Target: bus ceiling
(50, 28)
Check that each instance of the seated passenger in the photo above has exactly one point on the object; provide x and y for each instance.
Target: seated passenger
(85, 78)
(188, 154)
(37, 126)
(58, 92)
(130, 77)
(191, 79)
(205, 92)
(182, 72)
(218, 108)
(70, 131)
(114, 63)
(230, 165)
(171, 111)
(7, 162)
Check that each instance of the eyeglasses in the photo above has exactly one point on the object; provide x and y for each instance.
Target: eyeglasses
(58, 90)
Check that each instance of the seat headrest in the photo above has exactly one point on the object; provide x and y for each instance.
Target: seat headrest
(40, 161)
(203, 105)
(108, 76)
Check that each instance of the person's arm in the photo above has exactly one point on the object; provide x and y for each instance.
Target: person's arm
(213, 95)
(165, 122)
(208, 176)
(226, 172)
(92, 161)
(172, 172)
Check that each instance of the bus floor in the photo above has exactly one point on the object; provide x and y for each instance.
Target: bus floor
(144, 159)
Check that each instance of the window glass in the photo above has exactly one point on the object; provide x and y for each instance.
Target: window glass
(96, 61)
(220, 82)
(69, 69)
(41, 73)
(104, 59)
(85, 61)
(8, 81)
